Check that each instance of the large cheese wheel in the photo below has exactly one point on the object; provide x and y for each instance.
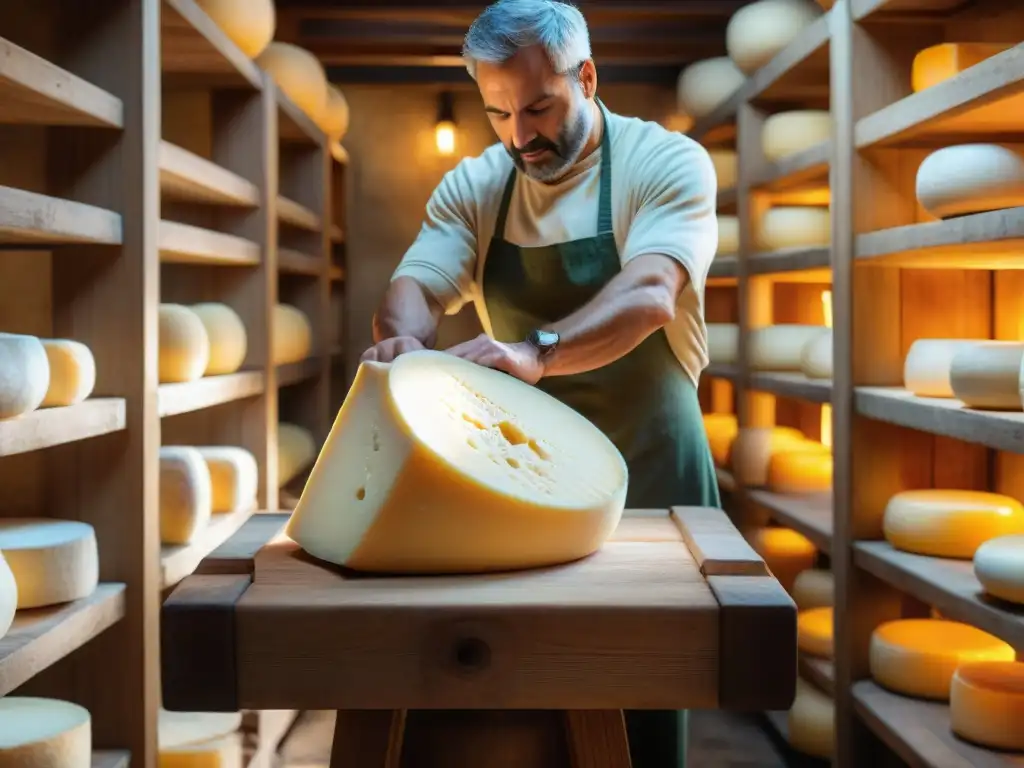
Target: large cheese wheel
(226, 333)
(814, 588)
(299, 74)
(53, 561)
(758, 31)
(816, 357)
(999, 566)
(726, 166)
(706, 84)
(335, 118)
(24, 374)
(917, 657)
(184, 344)
(795, 226)
(753, 448)
(811, 722)
(804, 468)
(723, 342)
(721, 430)
(422, 444)
(785, 551)
(44, 733)
(177, 729)
(72, 372)
(234, 477)
(728, 235)
(986, 704)
(293, 335)
(8, 596)
(988, 374)
(296, 450)
(947, 523)
(814, 632)
(970, 178)
(926, 369)
(249, 23)
(786, 133)
(186, 494)
(940, 62)
(781, 347)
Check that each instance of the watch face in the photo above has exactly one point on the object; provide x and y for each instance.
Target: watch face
(545, 341)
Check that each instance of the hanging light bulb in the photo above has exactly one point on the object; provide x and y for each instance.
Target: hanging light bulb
(444, 131)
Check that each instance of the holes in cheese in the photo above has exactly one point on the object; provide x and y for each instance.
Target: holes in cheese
(949, 523)
(53, 561)
(816, 357)
(721, 430)
(971, 178)
(726, 167)
(184, 344)
(814, 588)
(753, 448)
(250, 24)
(435, 464)
(811, 722)
(989, 374)
(227, 336)
(999, 566)
(940, 62)
(296, 450)
(44, 733)
(814, 630)
(786, 133)
(293, 335)
(986, 704)
(756, 32)
(234, 477)
(299, 75)
(917, 657)
(723, 342)
(8, 596)
(804, 468)
(334, 122)
(785, 552)
(781, 347)
(24, 374)
(72, 372)
(728, 236)
(177, 729)
(186, 494)
(795, 226)
(926, 369)
(704, 85)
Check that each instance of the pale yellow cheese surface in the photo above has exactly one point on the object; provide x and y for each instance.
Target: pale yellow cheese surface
(24, 374)
(785, 551)
(299, 74)
(8, 596)
(781, 347)
(795, 226)
(926, 367)
(752, 450)
(786, 133)
(816, 357)
(186, 494)
(44, 733)
(292, 335)
(723, 342)
(989, 374)
(811, 722)
(234, 477)
(706, 84)
(814, 632)
(72, 372)
(228, 338)
(806, 468)
(986, 704)
(814, 588)
(296, 450)
(250, 24)
(53, 561)
(721, 430)
(971, 178)
(758, 31)
(179, 729)
(938, 63)
(726, 165)
(184, 344)
(221, 752)
(728, 235)
(999, 566)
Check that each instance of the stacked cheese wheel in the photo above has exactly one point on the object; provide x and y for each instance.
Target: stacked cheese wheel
(721, 430)
(187, 739)
(982, 374)
(786, 552)
(705, 85)
(787, 227)
(47, 733)
(292, 335)
(207, 339)
(299, 75)
(787, 133)
(38, 373)
(760, 30)
(249, 24)
(296, 451)
(782, 458)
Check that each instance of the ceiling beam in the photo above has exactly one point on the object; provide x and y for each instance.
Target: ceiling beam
(415, 74)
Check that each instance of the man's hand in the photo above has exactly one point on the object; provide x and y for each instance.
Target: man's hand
(387, 350)
(520, 360)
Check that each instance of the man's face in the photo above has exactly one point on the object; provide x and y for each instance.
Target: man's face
(541, 117)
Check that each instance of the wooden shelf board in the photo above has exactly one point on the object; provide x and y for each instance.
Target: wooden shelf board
(821, 673)
(47, 427)
(1002, 430)
(294, 125)
(790, 260)
(295, 373)
(727, 199)
(948, 585)
(34, 219)
(185, 244)
(179, 561)
(726, 481)
(40, 637)
(187, 177)
(337, 234)
(728, 371)
(192, 44)
(798, 71)
(294, 262)
(794, 385)
(110, 759)
(918, 731)
(37, 92)
(797, 170)
(809, 514)
(293, 214)
(235, 554)
(864, 8)
(207, 392)
(724, 266)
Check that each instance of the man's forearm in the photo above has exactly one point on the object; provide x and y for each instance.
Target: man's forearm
(407, 310)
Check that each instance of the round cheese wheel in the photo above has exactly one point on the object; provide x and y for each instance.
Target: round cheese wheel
(999, 566)
(814, 588)
(938, 63)
(186, 494)
(222, 752)
(728, 236)
(44, 732)
(811, 722)
(553, 485)
(228, 338)
(753, 448)
(293, 335)
(299, 74)
(800, 469)
(970, 178)
(986, 704)
(250, 24)
(705, 85)
(334, 122)
(786, 133)
(785, 552)
(24, 374)
(758, 31)
(816, 357)
(781, 347)
(721, 430)
(926, 369)
(234, 477)
(814, 632)
(296, 450)
(184, 344)
(795, 226)
(8, 596)
(723, 342)
(72, 372)
(678, 122)
(178, 729)
(989, 374)
(339, 153)
(917, 657)
(53, 561)
(726, 167)
(949, 523)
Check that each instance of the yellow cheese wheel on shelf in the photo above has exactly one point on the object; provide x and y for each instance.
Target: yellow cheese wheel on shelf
(814, 588)
(758, 31)
(949, 523)
(938, 63)
(228, 338)
(721, 429)
(726, 166)
(811, 722)
(781, 347)
(785, 551)
(8, 596)
(986, 704)
(917, 657)
(705, 85)
(72, 372)
(753, 448)
(250, 24)
(927, 365)
(234, 477)
(971, 178)
(184, 344)
(723, 342)
(339, 153)
(728, 236)
(678, 122)
(296, 450)
(999, 566)
(293, 335)
(795, 226)
(299, 74)
(416, 476)
(44, 733)
(786, 133)
(53, 561)
(24, 374)
(186, 494)
(989, 374)
(223, 752)
(814, 632)
(804, 468)
(816, 357)
(334, 122)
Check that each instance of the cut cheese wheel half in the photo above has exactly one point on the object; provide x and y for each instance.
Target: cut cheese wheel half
(186, 494)
(804, 468)
(938, 63)
(234, 477)
(986, 704)
(179, 729)
(723, 342)
(758, 31)
(971, 178)
(728, 236)
(811, 722)
(24, 374)
(988, 374)
(926, 368)
(786, 553)
(814, 632)
(999, 566)
(781, 347)
(786, 133)
(816, 357)
(8, 596)
(705, 85)
(72, 372)
(424, 444)
(814, 588)
(228, 338)
(47, 733)
(53, 561)
(795, 226)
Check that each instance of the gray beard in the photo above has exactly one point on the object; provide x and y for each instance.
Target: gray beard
(568, 148)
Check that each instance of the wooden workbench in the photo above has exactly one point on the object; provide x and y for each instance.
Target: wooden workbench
(676, 611)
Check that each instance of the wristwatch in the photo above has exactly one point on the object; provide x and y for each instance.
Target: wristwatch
(545, 342)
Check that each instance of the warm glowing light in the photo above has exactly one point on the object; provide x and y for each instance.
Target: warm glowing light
(826, 426)
(444, 134)
(826, 306)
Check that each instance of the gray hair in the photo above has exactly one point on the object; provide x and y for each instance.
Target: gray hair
(510, 25)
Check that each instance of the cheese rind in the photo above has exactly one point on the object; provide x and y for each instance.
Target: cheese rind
(723, 342)
(758, 31)
(786, 553)
(728, 236)
(753, 448)
(786, 133)
(814, 632)
(339, 153)
(416, 476)
(816, 357)
(250, 24)
(186, 494)
(296, 450)
(926, 368)
(986, 704)
(706, 84)
(44, 732)
(299, 74)
(293, 335)
(178, 729)
(721, 430)
(781, 347)
(8, 596)
(336, 114)
(999, 566)
(53, 561)
(72, 372)
(795, 226)
(184, 344)
(987, 374)
(938, 63)
(971, 178)
(814, 588)
(227, 335)
(805, 468)
(24, 374)
(234, 477)
(811, 722)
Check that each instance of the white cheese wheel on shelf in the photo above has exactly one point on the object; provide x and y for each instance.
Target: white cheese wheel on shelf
(24, 374)
(44, 733)
(336, 115)
(423, 443)
(986, 704)
(728, 235)
(234, 477)
(811, 722)
(72, 372)
(786, 553)
(938, 63)
(781, 347)
(926, 369)
(726, 167)
(758, 31)
(299, 74)
(177, 729)
(971, 178)
(814, 632)
(786, 133)
(999, 566)
(949, 523)
(293, 335)
(8, 596)
(795, 226)
(227, 336)
(186, 494)
(53, 561)
(296, 450)
(804, 468)
(814, 588)
(706, 84)
(989, 374)
(753, 448)
(816, 357)
(917, 657)
(721, 430)
(250, 24)
(184, 344)
(723, 342)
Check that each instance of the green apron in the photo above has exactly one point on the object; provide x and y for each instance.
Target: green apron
(644, 402)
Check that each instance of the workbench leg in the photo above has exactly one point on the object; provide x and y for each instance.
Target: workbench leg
(368, 738)
(597, 738)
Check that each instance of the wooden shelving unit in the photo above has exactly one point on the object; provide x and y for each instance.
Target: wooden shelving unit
(895, 275)
(144, 159)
